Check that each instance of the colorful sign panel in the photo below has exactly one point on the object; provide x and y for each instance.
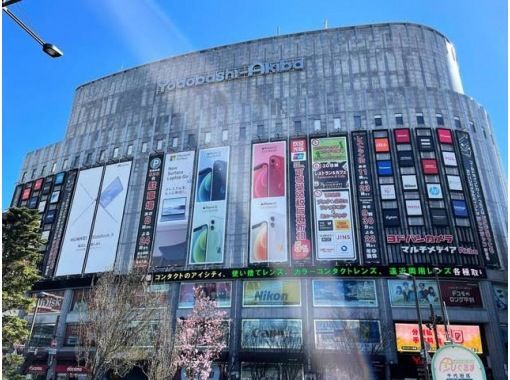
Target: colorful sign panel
(334, 236)
(344, 293)
(108, 220)
(461, 294)
(171, 238)
(79, 223)
(145, 236)
(221, 292)
(477, 199)
(272, 334)
(59, 227)
(347, 335)
(268, 218)
(299, 196)
(402, 293)
(272, 293)
(408, 337)
(456, 362)
(366, 205)
(210, 208)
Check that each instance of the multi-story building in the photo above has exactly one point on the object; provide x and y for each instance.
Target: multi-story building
(295, 177)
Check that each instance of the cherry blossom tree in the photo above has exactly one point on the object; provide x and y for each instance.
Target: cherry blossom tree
(200, 337)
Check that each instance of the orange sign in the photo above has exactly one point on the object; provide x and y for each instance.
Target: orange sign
(408, 337)
(382, 145)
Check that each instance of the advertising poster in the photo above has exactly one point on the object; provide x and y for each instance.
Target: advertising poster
(145, 236)
(456, 362)
(344, 293)
(79, 223)
(210, 209)
(65, 203)
(221, 292)
(501, 296)
(268, 227)
(408, 337)
(366, 204)
(272, 334)
(110, 210)
(402, 292)
(478, 201)
(334, 237)
(272, 293)
(462, 294)
(347, 335)
(299, 197)
(171, 241)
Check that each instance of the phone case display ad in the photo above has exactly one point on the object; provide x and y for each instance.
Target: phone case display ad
(171, 241)
(332, 199)
(268, 227)
(209, 212)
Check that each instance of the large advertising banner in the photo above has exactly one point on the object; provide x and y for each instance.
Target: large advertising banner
(170, 243)
(370, 240)
(477, 199)
(300, 206)
(463, 294)
(79, 222)
(402, 293)
(408, 337)
(110, 210)
(145, 236)
(347, 335)
(56, 240)
(272, 334)
(272, 293)
(344, 293)
(334, 237)
(268, 218)
(210, 209)
(221, 292)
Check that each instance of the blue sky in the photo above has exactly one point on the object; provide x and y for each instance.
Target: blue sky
(101, 37)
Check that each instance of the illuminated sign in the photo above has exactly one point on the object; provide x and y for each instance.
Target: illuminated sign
(429, 166)
(402, 136)
(382, 145)
(444, 136)
(344, 293)
(254, 69)
(461, 294)
(347, 335)
(272, 293)
(272, 334)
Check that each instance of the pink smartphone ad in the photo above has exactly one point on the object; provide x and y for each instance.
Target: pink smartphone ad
(268, 170)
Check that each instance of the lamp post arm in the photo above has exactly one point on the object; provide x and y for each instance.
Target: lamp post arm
(23, 26)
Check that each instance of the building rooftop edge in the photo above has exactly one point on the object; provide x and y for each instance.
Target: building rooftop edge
(262, 39)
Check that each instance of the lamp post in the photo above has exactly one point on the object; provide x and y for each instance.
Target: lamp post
(443, 306)
(48, 48)
(407, 276)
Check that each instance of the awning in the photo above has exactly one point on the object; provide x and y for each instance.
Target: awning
(70, 368)
(37, 369)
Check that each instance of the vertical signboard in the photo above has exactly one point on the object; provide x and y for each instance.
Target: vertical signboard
(334, 238)
(300, 207)
(477, 199)
(268, 218)
(56, 240)
(366, 205)
(173, 210)
(210, 209)
(110, 209)
(145, 236)
(79, 223)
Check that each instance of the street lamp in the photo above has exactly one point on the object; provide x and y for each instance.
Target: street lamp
(443, 306)
(407, 276)
(50, 49)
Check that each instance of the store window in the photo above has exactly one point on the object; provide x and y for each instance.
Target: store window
(42, 335)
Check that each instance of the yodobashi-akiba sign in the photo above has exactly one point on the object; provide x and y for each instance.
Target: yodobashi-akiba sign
(254, 69)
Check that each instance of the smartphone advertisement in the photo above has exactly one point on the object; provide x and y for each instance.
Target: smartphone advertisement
(79, 223)
(268, 222)
(334, 237)
(210, 210)
(110, 209)
(299, 211)
(173, 211)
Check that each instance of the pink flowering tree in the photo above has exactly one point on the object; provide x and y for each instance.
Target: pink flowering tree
(200, 337)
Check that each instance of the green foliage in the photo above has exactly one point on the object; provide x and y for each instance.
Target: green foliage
(21, 240)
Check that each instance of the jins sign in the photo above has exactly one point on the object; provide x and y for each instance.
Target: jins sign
(257, 68)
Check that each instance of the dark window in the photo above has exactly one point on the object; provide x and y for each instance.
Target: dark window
(399, 120)
(472, 126)
(260, 130)
(357, 122)
(278, 128)
(297, 126)
(88, 159)
(457, 123)
(439, 119)
(242, 131)
(191, 139)
(42, 335)
(377, 121)
(419, 119)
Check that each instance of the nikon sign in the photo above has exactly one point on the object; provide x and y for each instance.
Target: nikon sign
(255, 69)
